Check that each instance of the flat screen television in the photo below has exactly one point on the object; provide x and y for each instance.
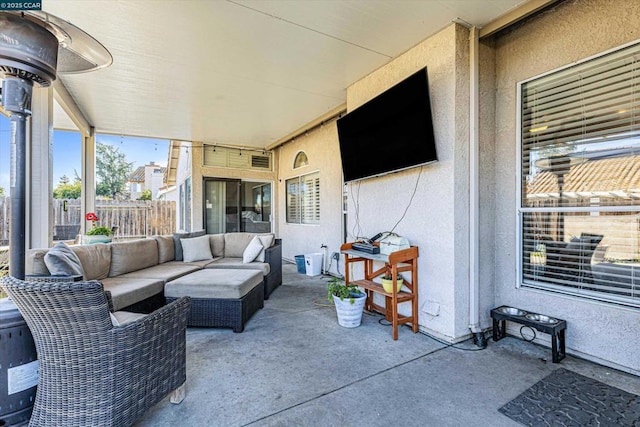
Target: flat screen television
(391, 132)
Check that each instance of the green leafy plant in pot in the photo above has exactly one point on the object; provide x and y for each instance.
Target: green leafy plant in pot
(349, 301)
(97, 234)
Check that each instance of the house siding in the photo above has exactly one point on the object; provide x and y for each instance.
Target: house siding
(572, 31)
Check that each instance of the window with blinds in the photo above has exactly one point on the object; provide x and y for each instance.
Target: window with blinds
(579, 207)
(303, 199)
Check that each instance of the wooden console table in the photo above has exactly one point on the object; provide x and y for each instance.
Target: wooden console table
(394, 263)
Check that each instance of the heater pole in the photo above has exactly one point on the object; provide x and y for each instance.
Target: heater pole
(16, 100)
(18, 196)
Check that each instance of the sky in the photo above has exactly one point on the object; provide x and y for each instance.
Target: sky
(66, 152)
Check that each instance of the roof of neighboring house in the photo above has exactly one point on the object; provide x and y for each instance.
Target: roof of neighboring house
(171, 170)
(608, 177)
(138, 174)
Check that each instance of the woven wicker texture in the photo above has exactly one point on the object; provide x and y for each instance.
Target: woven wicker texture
(273, 256)
(225, 313)
(92, 373)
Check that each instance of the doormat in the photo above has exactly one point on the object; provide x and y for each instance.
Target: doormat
(565, 398)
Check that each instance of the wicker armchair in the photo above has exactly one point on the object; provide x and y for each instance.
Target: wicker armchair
(92, 373)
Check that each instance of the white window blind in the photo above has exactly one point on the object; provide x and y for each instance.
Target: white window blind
(580, 182)
(303, 199)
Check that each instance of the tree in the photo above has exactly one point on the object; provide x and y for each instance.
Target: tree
(64, 190)
(146, 195)
(1, 191)
(112, 170)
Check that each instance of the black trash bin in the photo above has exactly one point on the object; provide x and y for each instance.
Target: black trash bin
(18, 367)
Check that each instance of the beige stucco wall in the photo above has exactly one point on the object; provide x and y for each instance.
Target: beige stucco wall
(321, 147)
(199, 172)
(438, 219)
(572, 31)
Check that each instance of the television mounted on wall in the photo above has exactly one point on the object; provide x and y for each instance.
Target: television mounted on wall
(389, 133)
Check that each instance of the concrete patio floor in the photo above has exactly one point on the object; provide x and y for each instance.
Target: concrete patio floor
(294, 366)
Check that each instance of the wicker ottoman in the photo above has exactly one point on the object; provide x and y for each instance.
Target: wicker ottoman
(224, 298)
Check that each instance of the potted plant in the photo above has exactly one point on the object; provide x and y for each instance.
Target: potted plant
(349, 301)
(97, 234)
(387, 283)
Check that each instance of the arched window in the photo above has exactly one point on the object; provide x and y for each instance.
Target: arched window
(300, 160)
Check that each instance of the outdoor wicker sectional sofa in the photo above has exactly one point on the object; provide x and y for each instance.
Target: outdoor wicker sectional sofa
(135, 272)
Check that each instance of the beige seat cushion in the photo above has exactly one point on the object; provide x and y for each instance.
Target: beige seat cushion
(120, 318)
(203, 263)
(236, 263)
(126, 291)
(209, 284)
(168, 271)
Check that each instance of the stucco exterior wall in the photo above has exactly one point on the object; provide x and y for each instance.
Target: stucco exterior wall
(438, 219)
(486, 175)
(199, 172)
(572, 31)
(322, 150)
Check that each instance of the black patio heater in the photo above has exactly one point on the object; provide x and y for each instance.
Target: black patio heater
(28, 55)
(30, 46)
(33, 46)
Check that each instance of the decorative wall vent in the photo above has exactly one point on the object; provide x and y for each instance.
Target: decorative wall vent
(260, 162)
(226, 157)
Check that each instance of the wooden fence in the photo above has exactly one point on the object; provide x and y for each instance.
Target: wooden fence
(130, 218)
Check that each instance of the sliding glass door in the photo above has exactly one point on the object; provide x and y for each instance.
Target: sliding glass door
(232, 205)
(221, 205)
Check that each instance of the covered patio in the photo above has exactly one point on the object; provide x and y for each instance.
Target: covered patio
(293, 365)
(248, 95)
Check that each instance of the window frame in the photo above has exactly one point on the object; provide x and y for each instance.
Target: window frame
(521, 210)
(297, 157)
(185, 204)
(300, 213)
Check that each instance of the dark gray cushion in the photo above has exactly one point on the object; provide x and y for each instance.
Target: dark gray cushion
(62, 261)
(178, 245)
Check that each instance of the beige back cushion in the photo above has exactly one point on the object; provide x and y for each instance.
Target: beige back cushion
(236, 243)
(166, 249)
(216, 241)
(134, 255)
(95, 260)
(34, 263)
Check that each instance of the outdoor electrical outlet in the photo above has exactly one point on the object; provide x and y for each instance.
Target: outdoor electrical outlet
(335, 256)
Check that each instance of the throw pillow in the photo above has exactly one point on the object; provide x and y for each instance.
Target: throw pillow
(196, 249)
(62, 261)
(252, 251)
(266, 241)
(178, 245)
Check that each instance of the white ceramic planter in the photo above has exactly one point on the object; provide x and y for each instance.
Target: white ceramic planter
(349, 315)
(89, 240)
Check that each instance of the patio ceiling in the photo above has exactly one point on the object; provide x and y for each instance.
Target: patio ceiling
(241, 72)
